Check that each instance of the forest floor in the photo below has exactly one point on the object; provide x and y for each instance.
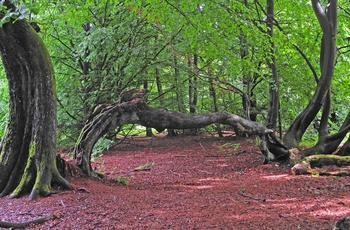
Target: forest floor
(191, 182)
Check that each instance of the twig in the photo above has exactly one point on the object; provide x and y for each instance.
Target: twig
(202, 146)
(82, 189)
(241, 192)
(63, 204)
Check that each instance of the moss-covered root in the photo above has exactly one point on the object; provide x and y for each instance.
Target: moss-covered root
(313, 164)
(324, 160)
(43, 188)
(42, 185)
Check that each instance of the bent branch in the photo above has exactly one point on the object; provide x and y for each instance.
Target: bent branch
(110, 116)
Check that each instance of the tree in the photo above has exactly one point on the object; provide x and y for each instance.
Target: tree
(221, 65)
(136, 111)
(328, 22)
(28, 151)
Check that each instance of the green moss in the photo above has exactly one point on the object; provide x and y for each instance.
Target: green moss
(328, 156)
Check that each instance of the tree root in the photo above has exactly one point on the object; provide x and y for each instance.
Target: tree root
(241, 192)
(304, 169)
(41, 220)
(312, 164)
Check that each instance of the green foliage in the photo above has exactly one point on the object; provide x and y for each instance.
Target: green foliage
(22, 11)
(144, 167)
(100, 48)
(229, 146)
(122, 180)
(101, 145)
(309, 139)
(4, 102)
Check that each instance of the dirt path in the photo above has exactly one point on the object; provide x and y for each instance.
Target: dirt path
(192, 183)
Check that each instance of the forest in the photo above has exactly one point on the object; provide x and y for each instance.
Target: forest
(81, 78)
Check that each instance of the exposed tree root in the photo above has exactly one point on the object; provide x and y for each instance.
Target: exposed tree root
(41, 220)
(312, 165)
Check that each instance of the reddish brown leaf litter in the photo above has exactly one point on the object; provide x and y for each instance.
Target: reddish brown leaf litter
(189, 183)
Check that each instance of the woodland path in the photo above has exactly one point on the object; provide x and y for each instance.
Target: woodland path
(194, 183)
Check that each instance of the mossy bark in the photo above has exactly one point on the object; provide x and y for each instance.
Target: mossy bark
(313, 165)
(27, 158)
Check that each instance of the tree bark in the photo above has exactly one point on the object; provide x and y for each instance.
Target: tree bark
(27, 158)
(271, 62)
(328, 144)
(138, 112)
(328, 22)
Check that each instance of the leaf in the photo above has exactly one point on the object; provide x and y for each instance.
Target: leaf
(144, 167)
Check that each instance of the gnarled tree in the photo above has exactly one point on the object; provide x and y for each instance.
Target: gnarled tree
(110, 116)
(28, 150)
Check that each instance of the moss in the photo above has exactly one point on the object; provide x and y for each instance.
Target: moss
(324, 159)
(27, 177)
(328, 156)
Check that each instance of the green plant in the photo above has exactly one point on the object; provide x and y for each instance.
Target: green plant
(101, 145)
(4, 104)
(229, 146)
(309, 139)
(144, 167)
(122, 180)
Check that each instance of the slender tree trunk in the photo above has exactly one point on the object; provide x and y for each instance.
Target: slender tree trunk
(193, 87)
(178, 87)
(159, 88)
(271, 62)
(328, 22)
(212, 93)
(148, 129)
(28, 155)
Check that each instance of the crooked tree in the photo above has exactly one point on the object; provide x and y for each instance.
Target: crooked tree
(28, 150)
(328, 21)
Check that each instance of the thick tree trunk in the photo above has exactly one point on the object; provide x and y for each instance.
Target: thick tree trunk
(138, 112)
(27, 160)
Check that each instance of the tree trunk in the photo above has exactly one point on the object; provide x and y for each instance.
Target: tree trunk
(178, 87)
(148, 129)
(193, 84)
(328, 144)
(212, 93)
(271, 62)
(328, 21)
(138, 112)
(27, 158)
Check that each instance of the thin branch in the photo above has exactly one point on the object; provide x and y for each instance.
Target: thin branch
(68, 113)
(241, 192)
(307, 62)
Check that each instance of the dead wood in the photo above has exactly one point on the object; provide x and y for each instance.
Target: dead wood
(41, 220)
(241, 192)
